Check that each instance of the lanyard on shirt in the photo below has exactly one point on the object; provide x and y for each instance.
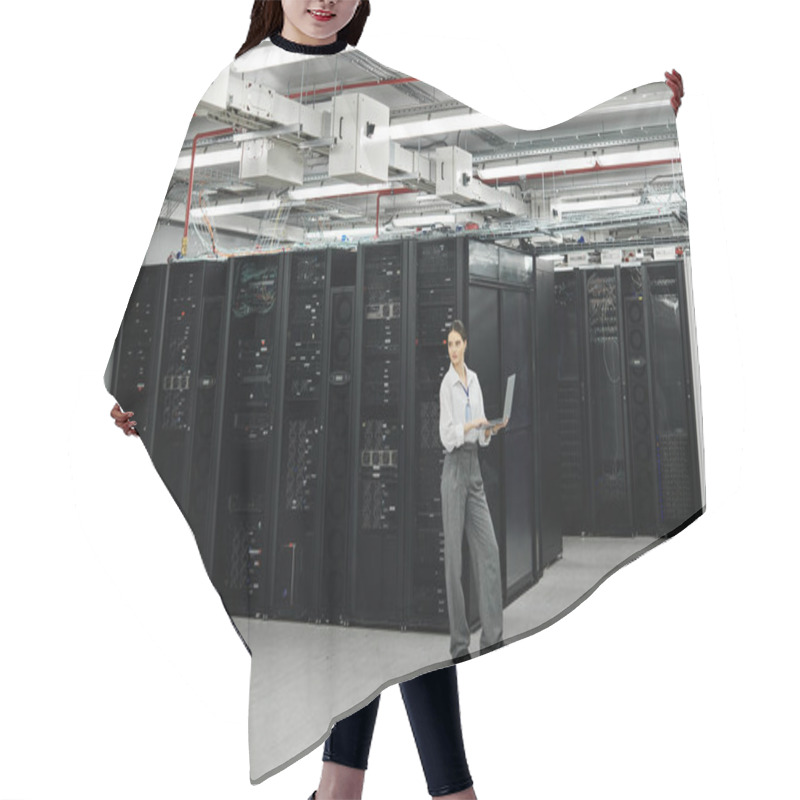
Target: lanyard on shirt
(467, 409)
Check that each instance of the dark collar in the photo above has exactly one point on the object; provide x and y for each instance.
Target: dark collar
(309, 49)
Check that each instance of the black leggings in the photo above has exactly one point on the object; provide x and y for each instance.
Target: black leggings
(432, 707)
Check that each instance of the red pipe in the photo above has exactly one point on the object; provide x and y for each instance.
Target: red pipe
(329, 89)
(207, 135)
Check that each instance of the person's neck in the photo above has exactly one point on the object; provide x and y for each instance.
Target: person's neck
(461, 371)
(280, 40)
(295, 35)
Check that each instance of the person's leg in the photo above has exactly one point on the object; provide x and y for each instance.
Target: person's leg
(454, 495)
(346, 754)
(433, 710)
(485, 556)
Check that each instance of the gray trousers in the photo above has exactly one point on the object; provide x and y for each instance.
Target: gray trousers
(464, 509)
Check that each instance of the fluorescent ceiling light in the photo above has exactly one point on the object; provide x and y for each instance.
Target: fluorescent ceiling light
(638, 156)
(661, 199)
(575, 206)
(439, 125)
(334, 189)
(426, 199)
(536, 168)
(422, 221)
(651, 201)
(351, 233)
(473, 209)
(294, 198)
(614, 159)
(247, 207)
(213, 159)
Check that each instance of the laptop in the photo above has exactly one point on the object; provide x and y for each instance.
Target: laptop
(512, 379)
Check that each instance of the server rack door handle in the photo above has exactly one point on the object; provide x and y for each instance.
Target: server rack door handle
(341, 121)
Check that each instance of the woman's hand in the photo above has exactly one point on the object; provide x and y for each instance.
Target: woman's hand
(476, 423)
(499, 426)
(675, 82)
(124, 420)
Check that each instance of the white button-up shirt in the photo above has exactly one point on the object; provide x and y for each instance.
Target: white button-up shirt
(452, 410)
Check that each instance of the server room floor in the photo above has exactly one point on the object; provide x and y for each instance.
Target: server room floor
(365, 653)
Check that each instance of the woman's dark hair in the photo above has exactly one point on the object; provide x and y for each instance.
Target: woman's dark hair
(266, 18)
(457, 326)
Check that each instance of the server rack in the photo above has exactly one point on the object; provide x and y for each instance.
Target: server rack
(135, 356)
(296, 420)
(483, 355)
(638, 367)
(625, 331)
(340, 443)
(298, 517)
(572, 450)
(166, 370)
(503, 329)
(188, 395)
(437, 287)
(676, 428)
(245, 492)
(376, 567)
(548, 516)
(608, 435)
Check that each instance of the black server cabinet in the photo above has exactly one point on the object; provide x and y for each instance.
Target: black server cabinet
(298, 516)
(290, 402)
(208, 393)
(166, 368)
(184, 449)
(376, 566)
(502, 336)
(548, 516)
(437, 287)
(483, 356)
(638, 370)
(607, 405)
(490, 288)
(177, 369)
(573, 488)
(246, 492)
(331, 580)
(134, 366)
(676, 438)
(517, 442)
(629, 459)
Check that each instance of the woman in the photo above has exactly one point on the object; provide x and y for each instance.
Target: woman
(325, 27)
(315, 23)
(462, 428)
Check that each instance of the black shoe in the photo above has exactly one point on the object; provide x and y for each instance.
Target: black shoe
(313, 795)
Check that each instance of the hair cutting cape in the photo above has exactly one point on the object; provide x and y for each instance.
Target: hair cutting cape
(285, 342)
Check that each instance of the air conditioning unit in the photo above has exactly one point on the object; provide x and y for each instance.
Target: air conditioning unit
(271, 163)
(454, 179)
(360, 149)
